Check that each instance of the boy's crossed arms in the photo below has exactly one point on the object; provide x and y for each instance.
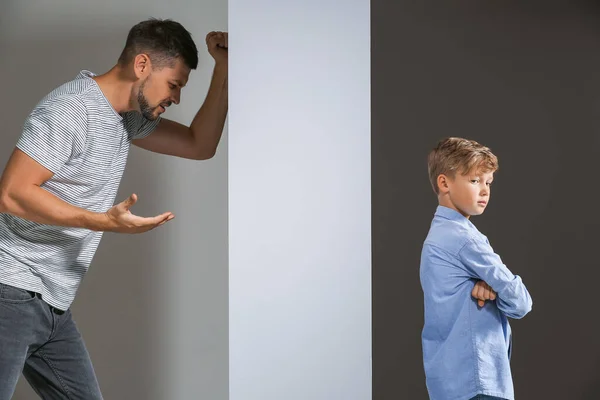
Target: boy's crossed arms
(482, 292)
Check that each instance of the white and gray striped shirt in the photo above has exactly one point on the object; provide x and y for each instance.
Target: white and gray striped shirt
(75, 133)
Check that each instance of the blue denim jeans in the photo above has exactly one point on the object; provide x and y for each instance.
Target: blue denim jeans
(486, 397)
(45, 345)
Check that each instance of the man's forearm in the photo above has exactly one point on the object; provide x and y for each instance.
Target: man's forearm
(207, 126)
(38, 205)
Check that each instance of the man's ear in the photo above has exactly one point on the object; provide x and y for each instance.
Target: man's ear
(443, 184)
(141, 65)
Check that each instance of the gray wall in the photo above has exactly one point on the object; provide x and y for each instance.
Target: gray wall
(161, 331)
(522, 78)
(299, 197)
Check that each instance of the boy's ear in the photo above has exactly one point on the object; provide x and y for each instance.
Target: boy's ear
(442, 182)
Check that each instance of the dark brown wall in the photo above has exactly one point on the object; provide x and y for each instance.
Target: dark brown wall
(524, 79)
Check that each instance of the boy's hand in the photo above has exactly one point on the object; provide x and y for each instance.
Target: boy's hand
(482, 292)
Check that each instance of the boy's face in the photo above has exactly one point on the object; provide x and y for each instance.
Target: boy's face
(469, 194)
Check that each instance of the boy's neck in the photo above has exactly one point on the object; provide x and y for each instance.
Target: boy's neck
(444, 201)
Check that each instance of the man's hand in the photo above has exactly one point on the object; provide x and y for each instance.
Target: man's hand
(482, 292)
(216, 42)
(121, 220)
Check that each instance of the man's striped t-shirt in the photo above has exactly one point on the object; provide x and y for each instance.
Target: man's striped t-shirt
(75, 133)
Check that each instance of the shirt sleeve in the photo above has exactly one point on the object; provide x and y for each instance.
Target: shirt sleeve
(481, 262)
(54, 132)
(142, 127)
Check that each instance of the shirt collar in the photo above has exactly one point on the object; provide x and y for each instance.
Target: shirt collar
(451, 214)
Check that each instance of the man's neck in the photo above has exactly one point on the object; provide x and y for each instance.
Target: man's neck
(117, 88)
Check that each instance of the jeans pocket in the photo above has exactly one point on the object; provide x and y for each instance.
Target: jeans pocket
(11, 294)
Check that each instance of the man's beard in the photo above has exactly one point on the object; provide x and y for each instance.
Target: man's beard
(145, 109)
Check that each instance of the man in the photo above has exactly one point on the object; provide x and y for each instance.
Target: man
(58, 189)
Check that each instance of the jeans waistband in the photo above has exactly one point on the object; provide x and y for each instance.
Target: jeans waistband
(39, 296)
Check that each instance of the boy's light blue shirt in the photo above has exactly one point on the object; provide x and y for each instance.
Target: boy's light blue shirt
(466, 349)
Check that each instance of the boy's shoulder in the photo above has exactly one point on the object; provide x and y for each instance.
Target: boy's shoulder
(451, 236)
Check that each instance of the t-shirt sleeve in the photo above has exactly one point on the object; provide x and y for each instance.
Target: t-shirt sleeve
(142, 127)
(54, 132)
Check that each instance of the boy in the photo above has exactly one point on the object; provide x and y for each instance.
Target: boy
(468, 291)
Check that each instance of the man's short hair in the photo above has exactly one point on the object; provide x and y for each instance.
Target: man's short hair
(164, 41)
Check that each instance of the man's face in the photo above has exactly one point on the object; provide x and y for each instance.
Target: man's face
(469, 193)
(161, 88)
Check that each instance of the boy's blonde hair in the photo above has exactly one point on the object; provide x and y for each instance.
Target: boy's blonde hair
(460, 155)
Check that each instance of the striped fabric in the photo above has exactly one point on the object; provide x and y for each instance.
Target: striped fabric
(76, 134)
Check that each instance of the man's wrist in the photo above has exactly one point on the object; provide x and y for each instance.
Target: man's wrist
(221, 67)
(98, 222)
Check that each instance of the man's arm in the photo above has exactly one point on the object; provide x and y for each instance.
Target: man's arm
(481, 262)
(22, 196)
(199, 141)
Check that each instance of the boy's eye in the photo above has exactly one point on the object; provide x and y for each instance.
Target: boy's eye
(474, 180)
(171, 86)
